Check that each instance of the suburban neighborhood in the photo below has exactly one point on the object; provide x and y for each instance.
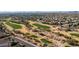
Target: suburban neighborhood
(39, 29)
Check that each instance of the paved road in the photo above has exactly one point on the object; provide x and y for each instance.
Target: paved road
(28, 44)
(4, 45)
(4, 42)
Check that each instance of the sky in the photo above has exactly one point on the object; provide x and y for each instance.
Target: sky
(39, 5)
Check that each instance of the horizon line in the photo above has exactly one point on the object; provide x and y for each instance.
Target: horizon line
(35, 11)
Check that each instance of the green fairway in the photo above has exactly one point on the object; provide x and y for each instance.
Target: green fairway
(75, 34)
(41, 26)
(45, 41)
(14, 25)
(34, 36)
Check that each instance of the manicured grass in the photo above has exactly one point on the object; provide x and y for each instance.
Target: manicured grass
(40, 26)
(45, 41)
(27, 34)
(14, 21)
(62, 34)
(14, 25)
(75, 34)
(45, 23)
(73, 42)
(34, 36)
